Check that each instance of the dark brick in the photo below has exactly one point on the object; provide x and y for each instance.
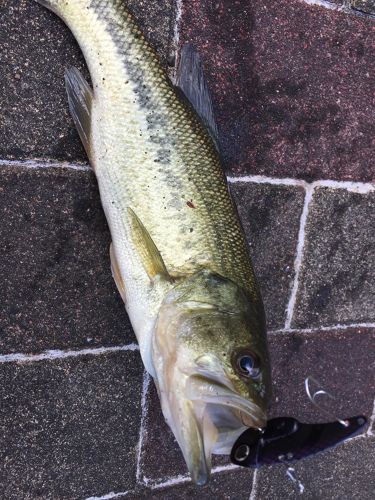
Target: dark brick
(57, 290)
(344, 472)
(36, 47)
(291, 85)
(338, 273)
(69, 428)
(271, 217)
(161, 457)
(343, 362)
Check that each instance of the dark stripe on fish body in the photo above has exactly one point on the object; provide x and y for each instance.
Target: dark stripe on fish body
(182, 130)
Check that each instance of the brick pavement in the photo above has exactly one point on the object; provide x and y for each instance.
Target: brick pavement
(293, 100)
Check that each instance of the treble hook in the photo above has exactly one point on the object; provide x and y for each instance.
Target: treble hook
(320, 392)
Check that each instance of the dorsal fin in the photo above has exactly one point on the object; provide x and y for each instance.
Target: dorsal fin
(191, 80)
(80, 97)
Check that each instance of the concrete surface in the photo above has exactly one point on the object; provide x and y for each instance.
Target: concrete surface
(292, 89)
(338, 271)
(292, 86)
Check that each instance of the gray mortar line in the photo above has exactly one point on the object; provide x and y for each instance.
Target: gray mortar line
(345, 7)
(254, 486)
(43, 164)
(299, 256)
(176, 37)
(326, 4)
(358, 187)
(108, 496)
(59, 354)
(318, 329)
(184, 478)
(144, 406)
(355, 187)
(263, 179)
(371, 430)
(53, 354)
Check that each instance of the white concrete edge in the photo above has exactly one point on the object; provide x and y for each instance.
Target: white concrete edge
(263, 179)
(345, 8)
(43, 164)
(318, 329)
(299, 256)
(183, 478)
(108, 496)
(326, 4)
(371, 429)
(176, 36)
(53, 354)
(59, 354)
(144, 412)
(357, 187)
(176, 31)
(254, 486)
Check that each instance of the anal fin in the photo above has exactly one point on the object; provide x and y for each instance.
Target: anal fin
(116, 273)
(80, 98)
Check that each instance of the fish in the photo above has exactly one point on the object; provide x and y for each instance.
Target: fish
(178, 255)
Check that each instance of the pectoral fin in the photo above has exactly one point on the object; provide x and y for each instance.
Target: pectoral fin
(116, 273)
(150, 256)
(80, 97)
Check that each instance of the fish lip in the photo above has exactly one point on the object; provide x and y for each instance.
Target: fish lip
(249, 413)
(216, 413)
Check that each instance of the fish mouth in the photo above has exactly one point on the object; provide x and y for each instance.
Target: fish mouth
(217, 416)
(226, 408)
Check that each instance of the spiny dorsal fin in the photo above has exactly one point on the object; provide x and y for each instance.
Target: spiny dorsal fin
(191, 80)
(80, 97)
(150, 256)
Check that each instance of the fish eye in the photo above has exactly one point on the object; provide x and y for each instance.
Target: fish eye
(247, 364)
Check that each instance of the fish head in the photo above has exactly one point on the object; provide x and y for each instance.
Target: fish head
(212, 368)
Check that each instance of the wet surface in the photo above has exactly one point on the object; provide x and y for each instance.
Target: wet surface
(57, 289)
(271, 216)
(293, 96)
(228, 485)
(69, 427)
(344, 472)
(294, 357)
(291, 86)
(338, 273)
(36, 48)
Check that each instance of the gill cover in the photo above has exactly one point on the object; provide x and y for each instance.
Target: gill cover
(203, 320)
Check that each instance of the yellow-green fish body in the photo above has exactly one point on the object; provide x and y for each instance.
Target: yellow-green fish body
(178, 253)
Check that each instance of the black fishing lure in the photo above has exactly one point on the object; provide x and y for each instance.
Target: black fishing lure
(286, 439)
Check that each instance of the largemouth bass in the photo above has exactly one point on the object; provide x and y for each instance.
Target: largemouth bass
(178, 254)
